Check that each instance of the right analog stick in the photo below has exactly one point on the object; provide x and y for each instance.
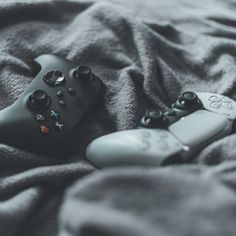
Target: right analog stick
(188, 100)
(83, 73)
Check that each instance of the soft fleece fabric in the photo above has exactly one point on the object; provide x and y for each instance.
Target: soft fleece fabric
(146, 53)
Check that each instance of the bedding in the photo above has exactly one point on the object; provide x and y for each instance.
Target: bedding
(146, 53)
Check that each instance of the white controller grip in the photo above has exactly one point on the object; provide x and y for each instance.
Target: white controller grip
(194, 121)
(133, 147)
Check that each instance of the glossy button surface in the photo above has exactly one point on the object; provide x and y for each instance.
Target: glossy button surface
(40, 118)
(59, 126)
(54, 115)
(44, 129)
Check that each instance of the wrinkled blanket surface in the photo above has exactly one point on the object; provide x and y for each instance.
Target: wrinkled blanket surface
(146, 53)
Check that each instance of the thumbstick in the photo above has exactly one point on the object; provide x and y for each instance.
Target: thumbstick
(38, 99)
(154, 119)
(188, 100)
(83, 73)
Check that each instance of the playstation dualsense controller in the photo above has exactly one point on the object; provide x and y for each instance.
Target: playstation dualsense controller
(47, 116)
(170, 137)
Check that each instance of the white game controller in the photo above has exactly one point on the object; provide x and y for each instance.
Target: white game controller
(174, 136)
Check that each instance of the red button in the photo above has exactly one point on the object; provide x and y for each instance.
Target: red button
(44, 129)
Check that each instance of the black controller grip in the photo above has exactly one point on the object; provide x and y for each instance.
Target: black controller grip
(47, 116)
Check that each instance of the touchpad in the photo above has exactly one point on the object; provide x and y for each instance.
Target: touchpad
(198, 127)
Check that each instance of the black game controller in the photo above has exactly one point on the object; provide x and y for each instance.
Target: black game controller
(174, 136)
(47, 116)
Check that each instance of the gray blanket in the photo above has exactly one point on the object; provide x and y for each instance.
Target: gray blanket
(146, 53)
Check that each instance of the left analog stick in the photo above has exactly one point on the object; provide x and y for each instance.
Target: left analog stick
(154, 119)
(38, 99)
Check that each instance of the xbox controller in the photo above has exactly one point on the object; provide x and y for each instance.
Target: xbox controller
(171, 137)
(47, 117)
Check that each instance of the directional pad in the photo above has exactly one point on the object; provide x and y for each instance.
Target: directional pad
(54, 78)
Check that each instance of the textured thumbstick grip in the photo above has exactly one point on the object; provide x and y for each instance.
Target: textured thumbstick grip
(153, 119)
(38, 99)
(188, 100)
(83, 73)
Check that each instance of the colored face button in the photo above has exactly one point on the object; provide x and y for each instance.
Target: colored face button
(39, 118)
(44, 129)
(54, 115)
(59, 126)
(54, 78)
